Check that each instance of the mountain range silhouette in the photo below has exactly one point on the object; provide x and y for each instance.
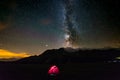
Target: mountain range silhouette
(70, 55)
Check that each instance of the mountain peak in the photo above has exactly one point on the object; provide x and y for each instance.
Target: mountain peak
(70, 49)
(71, 55)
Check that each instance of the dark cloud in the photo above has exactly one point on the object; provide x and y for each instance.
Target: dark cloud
(7, 8)
(2, 26)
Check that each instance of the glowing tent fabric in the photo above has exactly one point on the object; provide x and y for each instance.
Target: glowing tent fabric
(54, 70)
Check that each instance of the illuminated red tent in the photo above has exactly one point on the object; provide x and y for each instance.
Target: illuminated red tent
(54, 70)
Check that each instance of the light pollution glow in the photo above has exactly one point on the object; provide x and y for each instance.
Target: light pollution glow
(5, 54)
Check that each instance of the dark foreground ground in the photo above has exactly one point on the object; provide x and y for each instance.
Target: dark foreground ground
(80, 71)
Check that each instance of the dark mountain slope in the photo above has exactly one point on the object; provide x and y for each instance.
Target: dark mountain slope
(62, 55)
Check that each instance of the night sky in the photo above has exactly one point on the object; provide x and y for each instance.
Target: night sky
(33, 26)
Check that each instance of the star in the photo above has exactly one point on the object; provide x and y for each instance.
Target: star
(46, 45)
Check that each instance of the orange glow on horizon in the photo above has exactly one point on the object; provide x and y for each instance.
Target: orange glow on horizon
(5, 54)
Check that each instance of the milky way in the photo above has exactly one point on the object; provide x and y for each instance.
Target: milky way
(72, 38)
(33, 26)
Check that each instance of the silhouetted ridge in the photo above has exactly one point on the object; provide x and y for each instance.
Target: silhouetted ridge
(63, 55)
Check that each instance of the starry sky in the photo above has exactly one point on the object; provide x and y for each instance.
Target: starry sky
(33, 26)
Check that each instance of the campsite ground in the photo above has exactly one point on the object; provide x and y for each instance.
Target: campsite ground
(70, 71)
